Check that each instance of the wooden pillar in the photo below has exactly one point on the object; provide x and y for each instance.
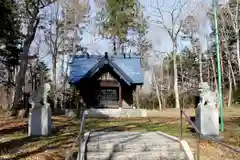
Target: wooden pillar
(120, 96)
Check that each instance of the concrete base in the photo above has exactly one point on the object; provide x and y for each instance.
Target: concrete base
(206, 120)
(40, 122)
(116, 113)
(215, 137)
(71, 113)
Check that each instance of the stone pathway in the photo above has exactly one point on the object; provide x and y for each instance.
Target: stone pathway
(132, 146)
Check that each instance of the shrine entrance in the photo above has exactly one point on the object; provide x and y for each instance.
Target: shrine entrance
(106, 82)
(109, 97)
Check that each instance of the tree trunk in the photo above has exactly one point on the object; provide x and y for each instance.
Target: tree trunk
(161, 84)
(182, 80)
(65, 82)
(137, 98)
(169, 78)
(157, 91)
(54, 64)
(238, 54)
(20, 80)
(114, 47)
(209, 75)
(32, 79)
(10, 87)
(214, 73)
(200, 67)
(233, 77)
(237, 35)
(175, 76)
(16, 70)
(230, 67)
(230, 85)
(122, 48)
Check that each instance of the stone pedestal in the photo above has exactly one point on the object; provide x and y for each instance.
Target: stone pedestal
(40, 122)
(71, 113)
(207, 120)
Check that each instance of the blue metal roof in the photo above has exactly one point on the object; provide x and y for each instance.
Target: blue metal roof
(129, 66)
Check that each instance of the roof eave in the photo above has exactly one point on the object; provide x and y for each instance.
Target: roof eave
(139, 83)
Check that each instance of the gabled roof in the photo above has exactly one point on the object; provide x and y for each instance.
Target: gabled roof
(128, 68)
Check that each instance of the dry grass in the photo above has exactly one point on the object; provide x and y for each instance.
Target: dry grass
(15, 144)
(210, 150)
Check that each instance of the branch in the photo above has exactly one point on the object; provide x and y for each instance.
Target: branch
(237, 14)
(43, 5)
(33, 3)
(28, 10)
(179, 29)
(60, 43)
(232, 17)
(49, 42)
(32, 30)
(40, 2)
(161, 21)
(180, 11)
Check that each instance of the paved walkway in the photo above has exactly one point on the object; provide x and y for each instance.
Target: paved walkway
(132, 146)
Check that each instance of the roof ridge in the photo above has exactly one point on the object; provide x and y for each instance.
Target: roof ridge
(129, 68)
(110, 56)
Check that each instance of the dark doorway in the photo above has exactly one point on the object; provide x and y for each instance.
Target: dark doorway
(109, 97)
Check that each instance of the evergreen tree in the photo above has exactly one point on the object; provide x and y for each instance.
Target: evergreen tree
(9, 40)
(119, 18)
(30, 12)
(39, 72)
(9, 45)
(143, 45)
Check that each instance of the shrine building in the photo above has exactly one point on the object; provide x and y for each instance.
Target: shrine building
(106, 81)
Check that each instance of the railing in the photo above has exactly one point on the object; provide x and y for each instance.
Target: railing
(78, 140)
(199, 134)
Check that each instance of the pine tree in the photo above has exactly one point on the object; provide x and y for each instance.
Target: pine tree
(119, 18)
(31, 15)
(9, 40)
(9, 45)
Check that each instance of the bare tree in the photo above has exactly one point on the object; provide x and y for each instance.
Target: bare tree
(30, 15)
(62, 33)
(225, 38)
(54, 37)
(233, 12)
(175, 16)
(190, 30)
(155, 83)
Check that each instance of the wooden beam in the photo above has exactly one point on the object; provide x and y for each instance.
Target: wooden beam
(109, 83)
(120, 97)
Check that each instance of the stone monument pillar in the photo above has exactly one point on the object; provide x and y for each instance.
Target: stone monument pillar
(39, 122)
(207, 112)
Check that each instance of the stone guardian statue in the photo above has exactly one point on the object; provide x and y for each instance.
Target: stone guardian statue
(207, 113)
(39, 96)
(39, 122)
(208, 98)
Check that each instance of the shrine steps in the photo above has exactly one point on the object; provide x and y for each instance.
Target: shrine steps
(132, 146)
(115, 113)
(134, 156)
